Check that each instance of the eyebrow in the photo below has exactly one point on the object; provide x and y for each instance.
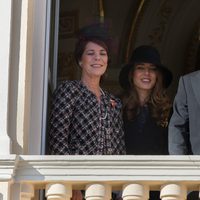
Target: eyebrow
(92, 50)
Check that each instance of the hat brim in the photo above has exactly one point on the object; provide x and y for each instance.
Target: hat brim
(167, 75)
(124, 76)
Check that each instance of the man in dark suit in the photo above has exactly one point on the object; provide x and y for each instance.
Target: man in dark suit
(184, 126)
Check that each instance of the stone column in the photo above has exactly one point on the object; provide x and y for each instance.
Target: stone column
(5, 37)
(173, 192)
(58, 191)
(98, 191)
(26, 191)
(135, 191)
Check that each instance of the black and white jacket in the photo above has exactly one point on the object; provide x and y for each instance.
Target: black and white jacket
(80, 125)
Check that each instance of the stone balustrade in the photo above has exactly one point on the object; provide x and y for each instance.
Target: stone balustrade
(99, 176)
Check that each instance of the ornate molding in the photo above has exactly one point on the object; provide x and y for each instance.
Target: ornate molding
(8, 164)
(108, 168)
(164, 14)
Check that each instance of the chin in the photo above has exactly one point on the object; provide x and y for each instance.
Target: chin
(147, 88)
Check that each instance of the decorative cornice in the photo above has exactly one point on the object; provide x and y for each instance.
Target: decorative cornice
(8, 164)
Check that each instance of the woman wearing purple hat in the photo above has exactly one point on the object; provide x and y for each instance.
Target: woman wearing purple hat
(146, 104)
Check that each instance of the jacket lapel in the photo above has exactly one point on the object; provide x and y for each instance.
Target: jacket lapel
(195, 81)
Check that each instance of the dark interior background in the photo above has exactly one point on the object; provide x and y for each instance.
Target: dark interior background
(173, 26)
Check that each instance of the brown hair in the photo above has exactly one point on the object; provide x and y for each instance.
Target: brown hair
(81, 44)
(158, 102)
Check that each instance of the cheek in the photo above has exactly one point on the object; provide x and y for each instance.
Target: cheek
(83, 60)
(105, 60)
(135, 76)
(136, 79)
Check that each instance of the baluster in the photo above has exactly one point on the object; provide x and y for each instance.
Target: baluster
(98, 192)
(26, 191)
(135, 191)
(58, 191)
(173, 192)
(4, 190)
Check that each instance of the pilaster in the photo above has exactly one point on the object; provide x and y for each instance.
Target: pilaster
(5, 37)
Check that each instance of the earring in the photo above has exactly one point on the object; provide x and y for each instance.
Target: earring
(80, 63)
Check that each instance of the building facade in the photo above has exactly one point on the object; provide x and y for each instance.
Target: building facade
(25, 172)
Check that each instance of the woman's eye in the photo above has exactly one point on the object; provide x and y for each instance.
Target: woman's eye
(103, 53)
(140, 67)
(90, 53)
(153, 68)
(143, 68)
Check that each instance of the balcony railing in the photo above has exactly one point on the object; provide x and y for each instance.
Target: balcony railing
(134, 176)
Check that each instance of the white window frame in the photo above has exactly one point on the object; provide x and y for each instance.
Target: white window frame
(40, 74)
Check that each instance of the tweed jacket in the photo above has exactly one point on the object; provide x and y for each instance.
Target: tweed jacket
(184, 126)
(80, 125)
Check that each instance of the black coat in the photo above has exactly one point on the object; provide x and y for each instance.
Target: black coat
(144, 137)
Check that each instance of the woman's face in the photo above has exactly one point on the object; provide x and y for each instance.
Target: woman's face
(94, 60)
(144, 76)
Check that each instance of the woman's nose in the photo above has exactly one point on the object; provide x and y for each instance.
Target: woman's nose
(97, 56)
(146, 71)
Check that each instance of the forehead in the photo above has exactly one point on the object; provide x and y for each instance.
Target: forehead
(145, 64)
(93, 46)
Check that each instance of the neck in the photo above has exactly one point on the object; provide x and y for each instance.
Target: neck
(143, 97)
(93, 86)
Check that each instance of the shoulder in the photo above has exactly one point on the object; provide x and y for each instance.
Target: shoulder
(111, 96)
(191, 75)
(189, 79)
(66, 90)
(115, 101)
(67, 86)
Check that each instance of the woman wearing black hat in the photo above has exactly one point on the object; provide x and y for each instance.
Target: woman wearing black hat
(146, 104)
(85, 120)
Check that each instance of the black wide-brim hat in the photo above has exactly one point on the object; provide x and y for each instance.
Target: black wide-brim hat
(99, 31)
(144, 54)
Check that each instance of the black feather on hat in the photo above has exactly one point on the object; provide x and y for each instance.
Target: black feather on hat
(145, 54)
